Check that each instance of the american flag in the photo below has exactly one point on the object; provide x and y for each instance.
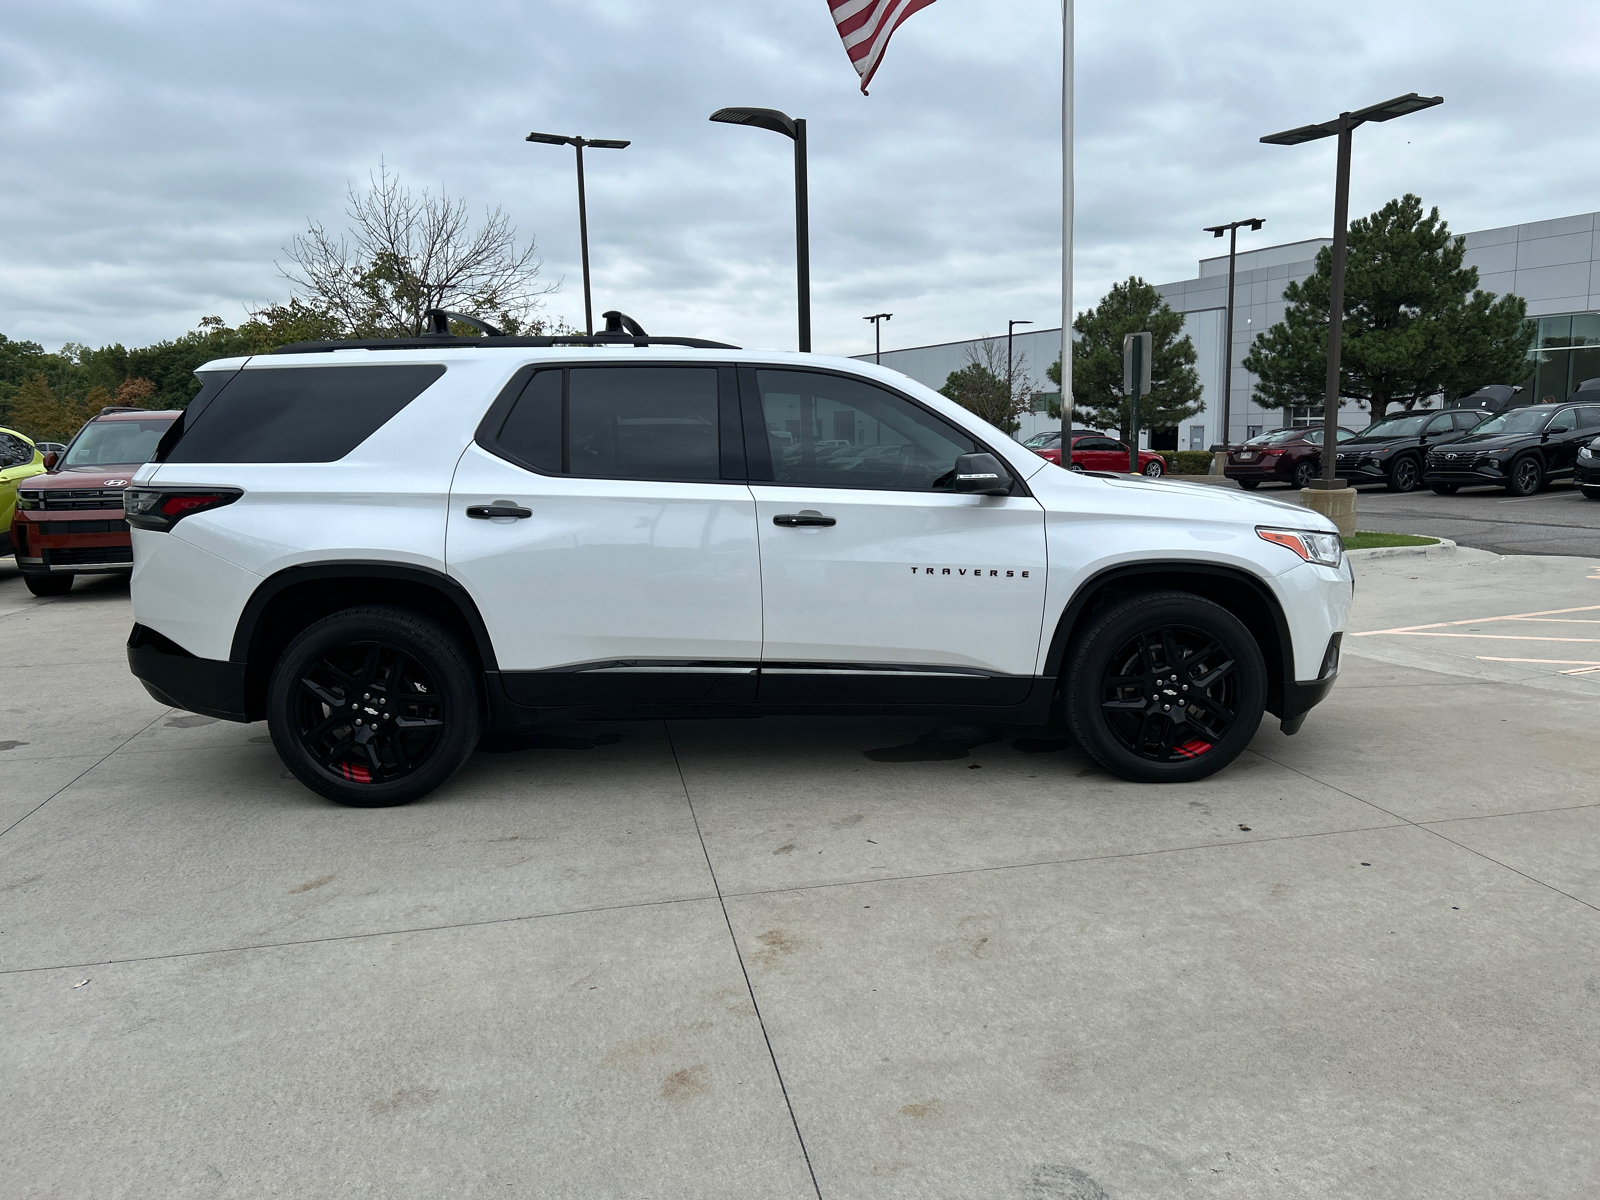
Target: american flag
(865, 27)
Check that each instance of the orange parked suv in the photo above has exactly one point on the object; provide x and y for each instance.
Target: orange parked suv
(69, 521)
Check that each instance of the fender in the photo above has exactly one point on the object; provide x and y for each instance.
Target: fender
(253, 645)
(1282, 692)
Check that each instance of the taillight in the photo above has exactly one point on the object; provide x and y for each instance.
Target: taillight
(161, 508)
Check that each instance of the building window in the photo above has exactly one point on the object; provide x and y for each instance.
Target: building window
(1252, 431)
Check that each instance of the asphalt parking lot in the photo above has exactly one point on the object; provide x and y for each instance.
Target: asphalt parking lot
(792, 958)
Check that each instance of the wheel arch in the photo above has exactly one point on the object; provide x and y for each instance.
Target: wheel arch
(285, 603)
(1242, 594)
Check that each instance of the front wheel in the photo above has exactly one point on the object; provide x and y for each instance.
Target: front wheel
(1445, 489)
(1526, 476)
(373, 706)
(1155, 469)
(48, 585)
(1404, 475)
(1165, 687)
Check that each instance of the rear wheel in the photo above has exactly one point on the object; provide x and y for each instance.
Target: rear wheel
(374, 706)
(1155, 468)
(48, 585)
(1304, 473)
(1249, 485)
(1445, 489)
(1525, 477)
(1165, 687)
(1404, 474)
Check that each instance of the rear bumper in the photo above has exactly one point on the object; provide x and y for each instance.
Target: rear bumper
(1259, 474)
(175, 677)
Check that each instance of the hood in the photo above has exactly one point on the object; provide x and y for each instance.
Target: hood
(1192, 503)
(1380, 440)
(117, 475)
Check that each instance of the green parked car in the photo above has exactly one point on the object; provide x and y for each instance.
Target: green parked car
(19, 458)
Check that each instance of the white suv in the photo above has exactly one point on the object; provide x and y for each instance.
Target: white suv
(388, 549)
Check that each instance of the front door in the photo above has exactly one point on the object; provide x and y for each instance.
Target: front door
(602, 525)
(880, 584)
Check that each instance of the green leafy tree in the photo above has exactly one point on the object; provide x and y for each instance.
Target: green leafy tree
(982, 386)
(1415, 323)
(48, 416)
(1131, 307)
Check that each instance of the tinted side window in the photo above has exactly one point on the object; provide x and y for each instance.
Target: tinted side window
(1466, 420)
(14, 452)
(1589, 418)
(617, 423)
(1443, 423)
(837, 432)
(299, 414)
(1096, 444)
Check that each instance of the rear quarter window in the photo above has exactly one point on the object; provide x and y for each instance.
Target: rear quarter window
(299, 414)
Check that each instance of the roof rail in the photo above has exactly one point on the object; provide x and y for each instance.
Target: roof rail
(523, 343)
(119, 408)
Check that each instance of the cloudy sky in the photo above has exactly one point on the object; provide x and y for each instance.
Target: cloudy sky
(158, 156)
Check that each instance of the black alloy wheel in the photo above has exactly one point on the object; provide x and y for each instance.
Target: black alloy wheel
(48, 585)
(1165, 687)
(1249, 485)
(1404, 474)
(1525, 477)
(1304, 473)
(374, 706)
(1445, 489)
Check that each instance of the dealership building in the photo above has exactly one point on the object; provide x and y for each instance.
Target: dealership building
(1554, 265)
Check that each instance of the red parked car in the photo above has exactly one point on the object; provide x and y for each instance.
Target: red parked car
(1093, 451)
(1291, 456)
(69, 521)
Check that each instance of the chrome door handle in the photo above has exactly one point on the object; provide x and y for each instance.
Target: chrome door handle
(483, 512)
(797, 520)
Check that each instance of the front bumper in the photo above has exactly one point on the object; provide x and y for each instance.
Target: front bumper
(177, 678)
(1586, 475)
(1485, 476)
(75, 542)
(1366, 473)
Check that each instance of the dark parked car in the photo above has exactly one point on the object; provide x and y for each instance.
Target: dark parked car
(1292, 456)
(1586, 471)
(1521, 449)
(1391, 451)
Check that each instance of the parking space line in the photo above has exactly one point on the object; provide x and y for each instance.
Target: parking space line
(1498, 637)
(1549, 612)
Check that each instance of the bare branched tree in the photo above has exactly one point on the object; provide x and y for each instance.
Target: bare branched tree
(991, 388)
(405, 254)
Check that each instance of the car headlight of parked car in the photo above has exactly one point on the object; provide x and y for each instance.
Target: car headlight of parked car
(1324, 549)
(1585, 452)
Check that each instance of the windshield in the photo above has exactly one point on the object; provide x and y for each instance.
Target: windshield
(1518, 420)
(1043, 441)
(1398, 426)
(111, 443)
(1272, 439)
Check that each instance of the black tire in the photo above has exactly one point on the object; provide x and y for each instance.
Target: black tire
(418, 692)
(1591, 493)
(1121, 694)
(1525, 477)
(48, 585)
(1405, 473)
(1304, 473)
(1249, 485)
(1445, 489)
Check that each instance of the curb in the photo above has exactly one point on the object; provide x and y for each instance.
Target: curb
(1445, 549)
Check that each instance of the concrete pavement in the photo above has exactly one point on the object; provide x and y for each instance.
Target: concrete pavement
(820, 958)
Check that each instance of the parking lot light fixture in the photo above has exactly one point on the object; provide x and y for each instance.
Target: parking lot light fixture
(578, 143)
(1232, 230)
(1342, 127)
(793, 128)
(877, 320)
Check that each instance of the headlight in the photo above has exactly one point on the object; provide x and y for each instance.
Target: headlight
(1585, 452)
(30, 500)
(1324, 549)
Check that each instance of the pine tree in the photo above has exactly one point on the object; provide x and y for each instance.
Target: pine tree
(1415, 323)
(1131, 307)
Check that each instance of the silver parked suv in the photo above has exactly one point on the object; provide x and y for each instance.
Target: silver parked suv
(386, 549)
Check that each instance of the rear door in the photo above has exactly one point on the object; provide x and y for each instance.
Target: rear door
(879, 583)
(624, 567)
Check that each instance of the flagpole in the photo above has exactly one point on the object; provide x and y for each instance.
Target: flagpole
(1066, 233)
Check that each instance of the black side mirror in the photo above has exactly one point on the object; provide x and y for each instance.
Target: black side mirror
(1555, 429)
(981, 475)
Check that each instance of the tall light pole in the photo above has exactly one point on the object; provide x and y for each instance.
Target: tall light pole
(794, 129)
(877, 334)
(1010, 367)
(1066, 231)
(578, 143)
(1342, 127)
(1232, 230)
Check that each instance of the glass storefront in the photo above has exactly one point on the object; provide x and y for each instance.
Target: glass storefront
(1566, 353)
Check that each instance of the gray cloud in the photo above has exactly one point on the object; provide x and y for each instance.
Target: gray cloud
(156, 157)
